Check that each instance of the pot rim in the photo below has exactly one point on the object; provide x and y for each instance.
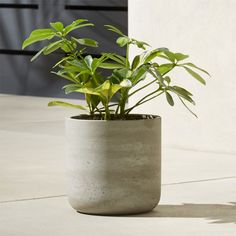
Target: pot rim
(76, 118)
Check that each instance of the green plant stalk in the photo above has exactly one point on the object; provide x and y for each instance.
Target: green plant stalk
(124, 92)
(127, 56)
(103, 108)
(122, 104)
(140, 101)
(146, 85)
(130, 109)
(107, 112)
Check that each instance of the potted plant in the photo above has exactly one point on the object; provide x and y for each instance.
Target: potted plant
(114, 155)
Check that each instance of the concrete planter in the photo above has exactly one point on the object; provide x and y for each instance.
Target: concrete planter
(114, 167)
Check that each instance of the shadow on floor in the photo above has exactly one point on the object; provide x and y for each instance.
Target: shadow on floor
(217, 213)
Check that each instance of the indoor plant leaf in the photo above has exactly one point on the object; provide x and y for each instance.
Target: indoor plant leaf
(57, 26)
(180, 56)
(66, 104)
(114, 29)
(195, 75)
(169, 98)
(135, 62)
(87, 42)
(122, 41)
(52, 47)
(194, 66)
(38, 35)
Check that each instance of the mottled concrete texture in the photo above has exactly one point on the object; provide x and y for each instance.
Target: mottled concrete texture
(198, 188)
(114, 167)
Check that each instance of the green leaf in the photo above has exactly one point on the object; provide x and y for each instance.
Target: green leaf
(73, 24)
(182, 90)
(52, 47)
(126, 83)
(87, 42)
(66, 104)
(182, 93)
(63, 75)
(170, 55)
(70, 88)
(110, 66)
(38, 35)
(153, 54)
(139, 74)
(114, 89)
(37, 54)
(156, 74)
(88, 91)
(135, 62)
(66, 48)
(101, 90)
(62, 60)
(117, 58)
(169, 98)
(105, 86)
(72, 27)
(124, 73)
(122, 41)
(57, 26)
(195, 75)
(163, 49)
(88, 60)
(196, 67)
(180, 56)
(140, 44)
(69, 68)
(80, 66)
(84, 72)
(93, 100)
(165, 68)
(167, 79)
(121, 58)
(97, 62)
(114, 29)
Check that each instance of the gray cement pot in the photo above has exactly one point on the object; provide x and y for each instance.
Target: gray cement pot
(114, 167)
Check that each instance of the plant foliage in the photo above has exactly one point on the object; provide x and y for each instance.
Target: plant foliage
(85, 73)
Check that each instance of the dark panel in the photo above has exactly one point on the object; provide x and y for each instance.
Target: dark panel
(19, 76)
(95, 8)
(16, 5)
(19, 17)
(15, 24)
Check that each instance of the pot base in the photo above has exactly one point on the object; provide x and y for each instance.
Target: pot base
(118, 214)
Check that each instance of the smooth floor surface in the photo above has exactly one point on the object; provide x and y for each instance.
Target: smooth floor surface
(198, 188)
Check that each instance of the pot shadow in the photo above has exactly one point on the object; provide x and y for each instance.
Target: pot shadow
(216, 213)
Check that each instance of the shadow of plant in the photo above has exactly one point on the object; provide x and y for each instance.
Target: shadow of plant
(217, 213)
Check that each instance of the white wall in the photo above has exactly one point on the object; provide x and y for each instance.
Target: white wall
(206, 30)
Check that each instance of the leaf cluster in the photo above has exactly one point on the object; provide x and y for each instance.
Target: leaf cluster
(85, 73)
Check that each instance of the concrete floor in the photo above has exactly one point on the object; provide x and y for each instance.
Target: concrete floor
(198, 188)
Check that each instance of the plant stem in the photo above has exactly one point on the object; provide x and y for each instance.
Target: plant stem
(150, 98)
(146, 85)
(107, 112)
(141, 101)
(122, 103)
(112, 105)
(127, 56)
